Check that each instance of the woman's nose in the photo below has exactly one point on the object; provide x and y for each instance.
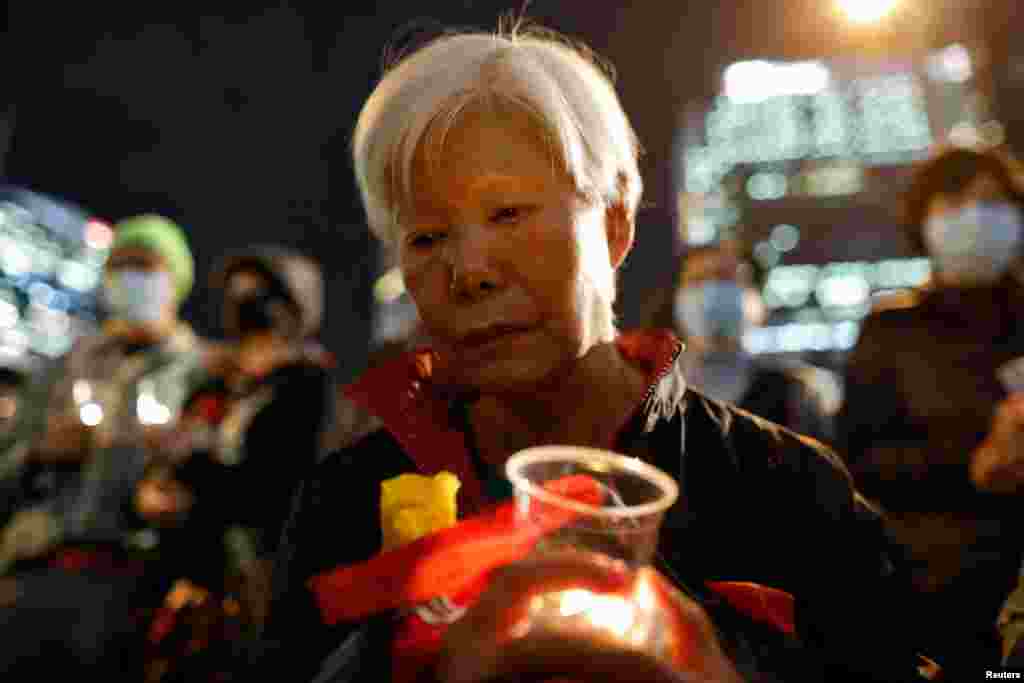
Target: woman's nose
(474, 274)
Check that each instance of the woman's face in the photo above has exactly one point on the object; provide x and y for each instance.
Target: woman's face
(974, 235)
(247, 312)
(139, 288)
(716, 296)
(505, 260)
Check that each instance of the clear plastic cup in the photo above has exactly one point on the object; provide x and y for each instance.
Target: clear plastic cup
(623, 524)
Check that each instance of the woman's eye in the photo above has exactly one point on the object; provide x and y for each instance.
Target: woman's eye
(426, 240)
(508, 214)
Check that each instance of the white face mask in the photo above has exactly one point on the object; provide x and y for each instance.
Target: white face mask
(714, 308)
(138, 296)
(976, 244)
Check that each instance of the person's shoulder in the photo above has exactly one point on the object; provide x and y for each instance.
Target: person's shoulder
(897, 300)
(894, 320)
(824, 385)
(898, 310)
(374, 455)
(346, 482)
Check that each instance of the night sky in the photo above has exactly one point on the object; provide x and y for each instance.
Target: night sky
(236, 125)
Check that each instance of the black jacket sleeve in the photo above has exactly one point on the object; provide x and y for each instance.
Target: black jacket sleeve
(762, 504)
(334, 522)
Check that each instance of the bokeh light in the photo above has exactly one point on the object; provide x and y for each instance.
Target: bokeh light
(867, 11)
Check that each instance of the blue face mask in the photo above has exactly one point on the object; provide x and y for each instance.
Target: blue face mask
(975, 244)
(714, 308)
(138, 296)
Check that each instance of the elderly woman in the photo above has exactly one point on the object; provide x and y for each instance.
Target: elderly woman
(504, 171)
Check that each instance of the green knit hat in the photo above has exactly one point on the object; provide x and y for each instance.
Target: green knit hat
(162, 236)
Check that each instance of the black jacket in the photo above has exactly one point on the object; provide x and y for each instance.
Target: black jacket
(278, 446)
(921, 388)
(757, 503)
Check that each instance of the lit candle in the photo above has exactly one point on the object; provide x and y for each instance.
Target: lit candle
(626, 618)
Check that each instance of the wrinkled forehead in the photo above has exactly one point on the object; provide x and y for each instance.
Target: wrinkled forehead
(485, 145)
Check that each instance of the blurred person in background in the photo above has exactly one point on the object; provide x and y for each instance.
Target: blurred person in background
(245, 440)
(714, 303)
(15, 470)
(503, 170)
(997, 466)
(91, 421)
(921, 391)
(352, 422)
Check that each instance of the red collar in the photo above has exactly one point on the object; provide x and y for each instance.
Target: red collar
(417, 413)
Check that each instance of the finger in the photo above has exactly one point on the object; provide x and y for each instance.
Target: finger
(473, 640)
(669, 591)
(694, 638)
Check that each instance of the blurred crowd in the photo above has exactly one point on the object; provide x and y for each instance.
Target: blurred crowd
(147, 478)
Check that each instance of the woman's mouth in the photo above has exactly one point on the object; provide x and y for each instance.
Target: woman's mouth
(485, 337)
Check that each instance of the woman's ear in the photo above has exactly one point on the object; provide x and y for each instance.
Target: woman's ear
(620, 229)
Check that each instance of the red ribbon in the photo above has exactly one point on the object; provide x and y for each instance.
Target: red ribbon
(456, 561)
(446, 562)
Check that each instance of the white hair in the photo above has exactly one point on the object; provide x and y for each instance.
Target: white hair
(562, 89)
(569, 97)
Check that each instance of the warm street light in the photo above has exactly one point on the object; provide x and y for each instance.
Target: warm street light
(866, 11)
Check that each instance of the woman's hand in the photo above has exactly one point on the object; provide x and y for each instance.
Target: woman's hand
(998, 464)
(486, 644)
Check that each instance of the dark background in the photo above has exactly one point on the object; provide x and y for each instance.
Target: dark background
(236, 123)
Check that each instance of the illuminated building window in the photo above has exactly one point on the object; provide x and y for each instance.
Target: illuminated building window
(824, 306)
(785, 237)
(950, 65)
(778, 113)
(51, 260)
(766, 186)
(894, 125)
(700, 230)
(767, 255)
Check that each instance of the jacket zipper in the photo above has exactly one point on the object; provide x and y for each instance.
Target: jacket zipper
(663, 371)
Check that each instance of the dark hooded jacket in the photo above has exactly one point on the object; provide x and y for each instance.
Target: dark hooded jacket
(268, 430)
(921, 388)
(757, 503)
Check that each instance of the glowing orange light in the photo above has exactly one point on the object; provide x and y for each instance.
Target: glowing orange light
(867, 11)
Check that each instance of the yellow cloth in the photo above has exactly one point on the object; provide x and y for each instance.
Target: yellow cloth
(414, 505)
